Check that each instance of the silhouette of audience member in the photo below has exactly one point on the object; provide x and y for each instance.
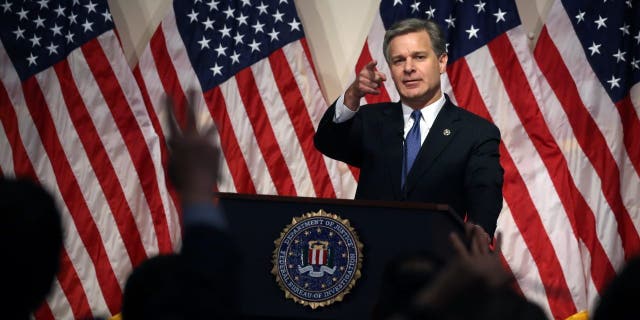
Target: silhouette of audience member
(474, 285)
(199, 282)
(618, 301)
(402, 279)
(30, 244)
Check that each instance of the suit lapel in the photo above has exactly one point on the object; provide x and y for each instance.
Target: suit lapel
(440, 135)
(392, 128)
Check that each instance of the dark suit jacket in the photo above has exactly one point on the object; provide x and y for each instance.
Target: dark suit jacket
(458, 163)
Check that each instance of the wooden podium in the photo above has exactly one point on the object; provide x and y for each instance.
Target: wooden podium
(386, 229)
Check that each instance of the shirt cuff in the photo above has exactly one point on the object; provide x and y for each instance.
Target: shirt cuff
(342, 112)
(204, 213)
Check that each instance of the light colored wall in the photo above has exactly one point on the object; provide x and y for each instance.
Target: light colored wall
(335, 30)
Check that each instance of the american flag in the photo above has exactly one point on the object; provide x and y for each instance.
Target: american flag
(72, 117)
(250, 65)
(568, 114)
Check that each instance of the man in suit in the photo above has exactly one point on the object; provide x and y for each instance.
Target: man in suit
(449, 156)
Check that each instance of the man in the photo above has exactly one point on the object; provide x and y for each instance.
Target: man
(450, 155)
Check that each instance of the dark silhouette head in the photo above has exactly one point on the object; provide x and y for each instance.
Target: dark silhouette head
(30, 242)
(618, 299)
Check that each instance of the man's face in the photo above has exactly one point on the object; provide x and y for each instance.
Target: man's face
(416, 69)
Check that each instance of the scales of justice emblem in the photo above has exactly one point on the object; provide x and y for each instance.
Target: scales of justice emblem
(317, 259)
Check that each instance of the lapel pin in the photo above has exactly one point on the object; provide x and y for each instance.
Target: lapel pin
(446, 132)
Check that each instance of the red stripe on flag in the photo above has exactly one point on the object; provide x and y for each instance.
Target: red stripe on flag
(631, 127)
(363, 59)
(229, 143)
(23, 167)
(580, 215)
(588, 136)
(168, 75)
(307, 53)
(43, 312)
(155, 122)
(515, 192)
(271, 151)
(99, 159)
(302, 125)
(132, 136)
(72, 194)
(72, 288)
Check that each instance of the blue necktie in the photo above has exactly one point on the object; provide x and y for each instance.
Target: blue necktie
(411, 145)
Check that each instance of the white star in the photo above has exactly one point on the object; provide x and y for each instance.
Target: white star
(637, 37)
(91, 7)
(619, 56)
(625, 29)
(23, 14)
(277, 16)
(39, 22)
(32, 59)
(274, 34)
(580, 16)
(222, 51)
(235, 57)
(204, 43)
(19, 33)
(242, 19)
(246, 3)
(43, 4)
(52, 49)
(295, 25)
(107, 15)
(500, 15)
(194, 2)
(614, 82)
(431, 12)
(208, 24)
(262, 8)
(473, 33)
(229, 12)
(415, 7)
(193, 16)
(397, 2)
(59, 11)
(451, 22)
(213, 5)
(87, 25)
(216, 69)
(75, 2)
(69, 36)
(226, 32)
(595, 48)
(255, 46)
(6, 6)
(56, 30)
(238, 38)
(35, 40)
(600, 22)
(72, 18)
(258, 27)
(628, 2)
(283, 1)
(634, 63)
(480, 5)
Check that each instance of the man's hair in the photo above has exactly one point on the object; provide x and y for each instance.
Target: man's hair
(31, 239)
(402, 27)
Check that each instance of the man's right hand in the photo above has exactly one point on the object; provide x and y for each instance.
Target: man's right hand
(368, 81)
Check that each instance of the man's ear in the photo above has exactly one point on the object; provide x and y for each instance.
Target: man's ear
(442, 61)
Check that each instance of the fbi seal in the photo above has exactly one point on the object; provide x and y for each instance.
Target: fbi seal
(317, 259)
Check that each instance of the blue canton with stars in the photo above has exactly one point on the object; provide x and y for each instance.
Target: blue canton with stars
(224, 37)
(468, 25)
(38, 34)
(610, 35)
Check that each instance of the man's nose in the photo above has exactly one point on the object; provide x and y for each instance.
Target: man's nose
(409, 65)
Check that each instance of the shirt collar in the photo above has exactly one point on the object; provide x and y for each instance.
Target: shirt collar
(429, 112)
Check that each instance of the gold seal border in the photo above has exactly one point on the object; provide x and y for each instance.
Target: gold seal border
(278, 242)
